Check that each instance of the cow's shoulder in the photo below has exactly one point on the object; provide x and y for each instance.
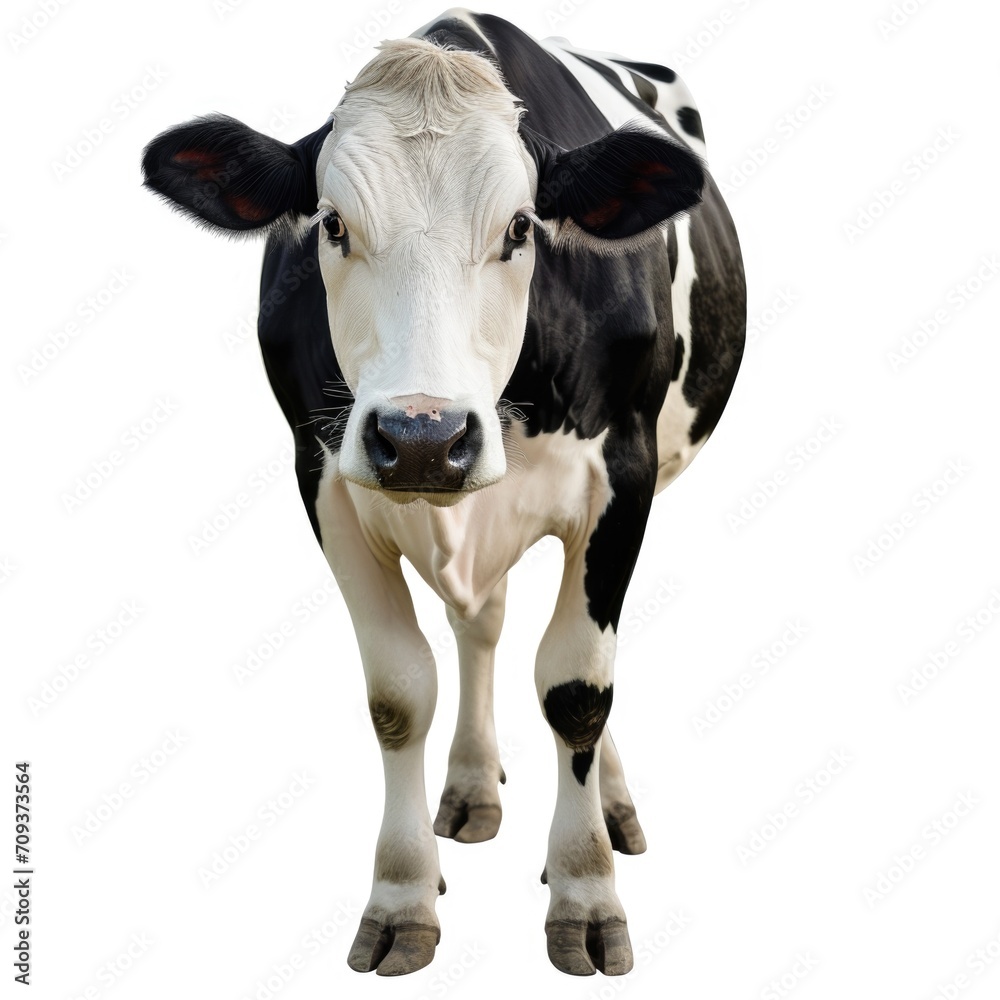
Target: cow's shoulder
(596, 347)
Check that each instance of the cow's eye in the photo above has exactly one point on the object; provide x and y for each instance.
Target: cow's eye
(334, 226)
(518, 228)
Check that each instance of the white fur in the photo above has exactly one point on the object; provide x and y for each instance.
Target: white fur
(677, 416)
(423, 303)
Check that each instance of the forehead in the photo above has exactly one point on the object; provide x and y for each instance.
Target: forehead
(482, 160)
(428, 127)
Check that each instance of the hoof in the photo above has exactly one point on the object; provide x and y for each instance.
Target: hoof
(468, 824)
(579, 948)
(624, 830)
(392, 950)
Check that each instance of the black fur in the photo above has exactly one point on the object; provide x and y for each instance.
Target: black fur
(578, 712)
(230, 177)
(617, 186)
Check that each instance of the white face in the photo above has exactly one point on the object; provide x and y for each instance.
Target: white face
(427, 251)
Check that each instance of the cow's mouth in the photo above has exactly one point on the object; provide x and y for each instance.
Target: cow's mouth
(434, 496)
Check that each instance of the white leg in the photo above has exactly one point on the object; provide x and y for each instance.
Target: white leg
(399, 929)
(585, 924)
(470, 804)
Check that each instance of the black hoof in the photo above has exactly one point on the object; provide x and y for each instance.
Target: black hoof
(579, 948)
(624, 830)
(392, 950)
(468, 824)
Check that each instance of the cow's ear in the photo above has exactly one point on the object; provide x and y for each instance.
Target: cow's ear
(232, 178)
(613, 195)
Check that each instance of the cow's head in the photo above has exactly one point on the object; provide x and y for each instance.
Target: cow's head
(429, 192)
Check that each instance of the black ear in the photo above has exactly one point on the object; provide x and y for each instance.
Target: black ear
(618, 188)
(224, 173)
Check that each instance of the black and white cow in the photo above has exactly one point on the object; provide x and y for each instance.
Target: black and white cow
(501, 299)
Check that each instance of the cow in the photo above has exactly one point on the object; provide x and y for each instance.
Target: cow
(501, 299)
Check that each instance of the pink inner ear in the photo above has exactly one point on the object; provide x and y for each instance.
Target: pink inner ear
(604, 214)
(245, 208)
(195, 158)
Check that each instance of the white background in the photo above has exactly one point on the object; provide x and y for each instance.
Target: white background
(706, 921)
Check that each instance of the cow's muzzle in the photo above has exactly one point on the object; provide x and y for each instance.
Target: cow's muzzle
(419, 444)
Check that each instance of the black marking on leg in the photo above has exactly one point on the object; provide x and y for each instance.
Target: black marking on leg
(582, 760)
(577, 712)
(690, 119)
(391, 721)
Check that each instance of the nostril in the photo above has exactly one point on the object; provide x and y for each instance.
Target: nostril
(463, 452)
(380, 449)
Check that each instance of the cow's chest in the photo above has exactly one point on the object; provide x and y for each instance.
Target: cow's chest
(556, 484)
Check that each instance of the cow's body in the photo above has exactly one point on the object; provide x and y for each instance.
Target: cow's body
(626, 364)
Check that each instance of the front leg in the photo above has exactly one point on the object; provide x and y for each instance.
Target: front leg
(399, 929)
(470, 804)
(585, 925)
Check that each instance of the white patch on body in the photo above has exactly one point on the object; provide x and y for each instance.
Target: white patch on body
(673, 425)
(553, 484)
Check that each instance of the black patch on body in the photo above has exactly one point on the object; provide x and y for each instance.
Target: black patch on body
(593, 332)
(644, 89)
(648, 108)
(690, 119)
(558, 107)
(651, 70)
(678, 358)
(718, 315)
(294, 334)
(454, 33)
(578, 712)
